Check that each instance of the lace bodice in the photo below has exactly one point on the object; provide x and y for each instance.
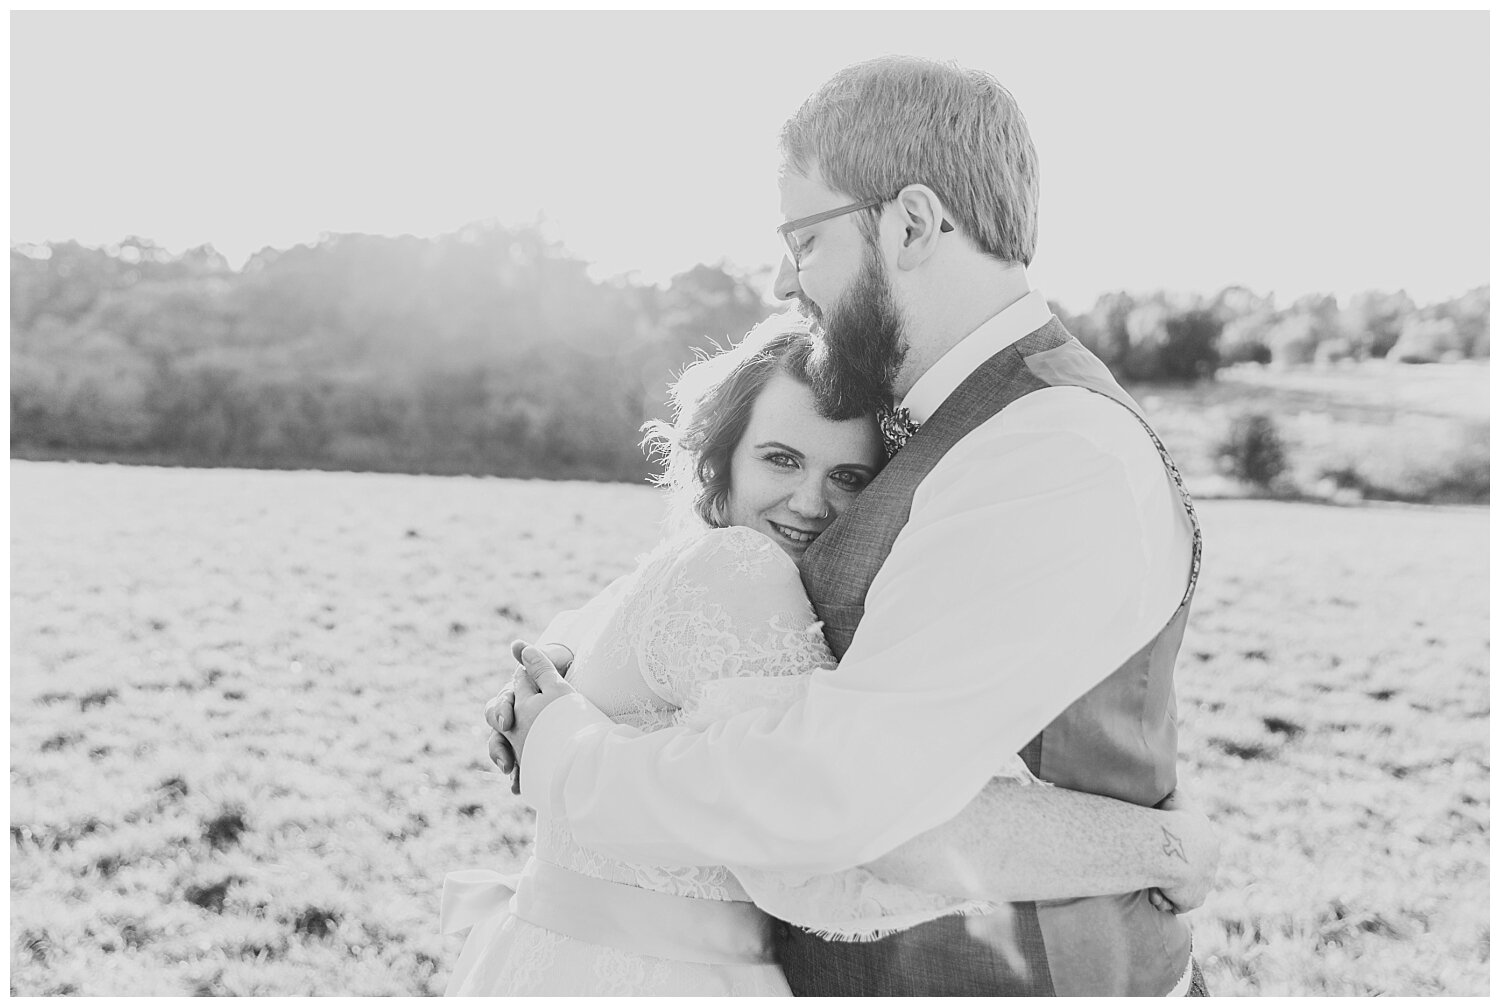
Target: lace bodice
(708, 626)
(718, 604)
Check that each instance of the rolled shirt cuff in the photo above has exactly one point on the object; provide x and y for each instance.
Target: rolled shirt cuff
(549, 750)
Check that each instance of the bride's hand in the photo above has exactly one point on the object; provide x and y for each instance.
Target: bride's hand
(536, 688)
(1192, 840)
(500, 711)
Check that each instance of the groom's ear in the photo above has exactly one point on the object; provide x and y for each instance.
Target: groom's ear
(920, 214)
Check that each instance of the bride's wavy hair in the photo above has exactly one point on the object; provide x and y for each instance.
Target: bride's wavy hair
(711, 402)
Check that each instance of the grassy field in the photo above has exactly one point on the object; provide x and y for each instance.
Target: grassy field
(246, 740)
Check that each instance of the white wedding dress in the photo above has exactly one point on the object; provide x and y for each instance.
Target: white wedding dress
(706, 626)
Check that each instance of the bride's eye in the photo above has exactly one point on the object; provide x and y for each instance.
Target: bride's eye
(781, 460)
(850, 480)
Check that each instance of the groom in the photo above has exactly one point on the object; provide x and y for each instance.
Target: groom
(1017, 579)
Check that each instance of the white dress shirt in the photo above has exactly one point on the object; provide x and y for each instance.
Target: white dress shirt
(1044, 549)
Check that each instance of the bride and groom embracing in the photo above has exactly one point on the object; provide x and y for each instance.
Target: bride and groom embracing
(894, 714)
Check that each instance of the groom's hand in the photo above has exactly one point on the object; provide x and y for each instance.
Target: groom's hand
(537, 686)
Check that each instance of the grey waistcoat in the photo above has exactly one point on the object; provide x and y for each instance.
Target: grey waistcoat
(1119, 740)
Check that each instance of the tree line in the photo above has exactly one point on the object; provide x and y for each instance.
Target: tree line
(486, 351)
(492, 351)
(1164, 338)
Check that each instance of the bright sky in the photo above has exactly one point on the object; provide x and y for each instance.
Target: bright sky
(1286, 152)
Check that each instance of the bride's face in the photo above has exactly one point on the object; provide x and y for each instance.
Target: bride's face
(794, 471)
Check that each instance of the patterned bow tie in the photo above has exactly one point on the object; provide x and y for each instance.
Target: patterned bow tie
(896, 429)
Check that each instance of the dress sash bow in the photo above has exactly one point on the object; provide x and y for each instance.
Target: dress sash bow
(473, 895)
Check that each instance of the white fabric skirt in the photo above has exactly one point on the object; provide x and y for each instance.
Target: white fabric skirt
(553, 932)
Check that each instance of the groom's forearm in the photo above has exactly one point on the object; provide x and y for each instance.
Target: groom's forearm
(1019, 843)
(679, 796)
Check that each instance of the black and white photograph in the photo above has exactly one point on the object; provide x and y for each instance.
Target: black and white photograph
(759, 503)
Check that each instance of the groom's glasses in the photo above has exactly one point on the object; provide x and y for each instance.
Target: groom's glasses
(788, 231)
(794, 246)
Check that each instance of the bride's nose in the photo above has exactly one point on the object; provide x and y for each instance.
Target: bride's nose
(808, 500)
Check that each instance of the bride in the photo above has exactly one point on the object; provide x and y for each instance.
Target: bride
(715, 621)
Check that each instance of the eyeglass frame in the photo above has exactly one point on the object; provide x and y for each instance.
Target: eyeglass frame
(785, 230)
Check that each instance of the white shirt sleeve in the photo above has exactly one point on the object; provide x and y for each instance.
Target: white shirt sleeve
(1035, 562)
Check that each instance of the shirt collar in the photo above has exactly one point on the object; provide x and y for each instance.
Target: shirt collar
(1012, 324)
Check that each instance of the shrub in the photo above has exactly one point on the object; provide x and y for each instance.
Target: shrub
(1373, 321)
(1253, 450)
(1244, 341)
(1333, 351)
(1192, 346)
(1294, 340)
(1426, 341)
(1165, 342)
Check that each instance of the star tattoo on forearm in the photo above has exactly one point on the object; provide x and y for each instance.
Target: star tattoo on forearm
(1172, 846)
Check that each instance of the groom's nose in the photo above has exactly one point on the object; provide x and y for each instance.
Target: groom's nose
(786, 286)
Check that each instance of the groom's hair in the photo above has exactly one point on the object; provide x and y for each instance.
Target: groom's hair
(881, 125)
(711, 401)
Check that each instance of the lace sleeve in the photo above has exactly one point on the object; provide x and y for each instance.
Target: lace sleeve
(727, 608)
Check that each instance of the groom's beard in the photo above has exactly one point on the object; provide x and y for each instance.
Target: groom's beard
(860, 347)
